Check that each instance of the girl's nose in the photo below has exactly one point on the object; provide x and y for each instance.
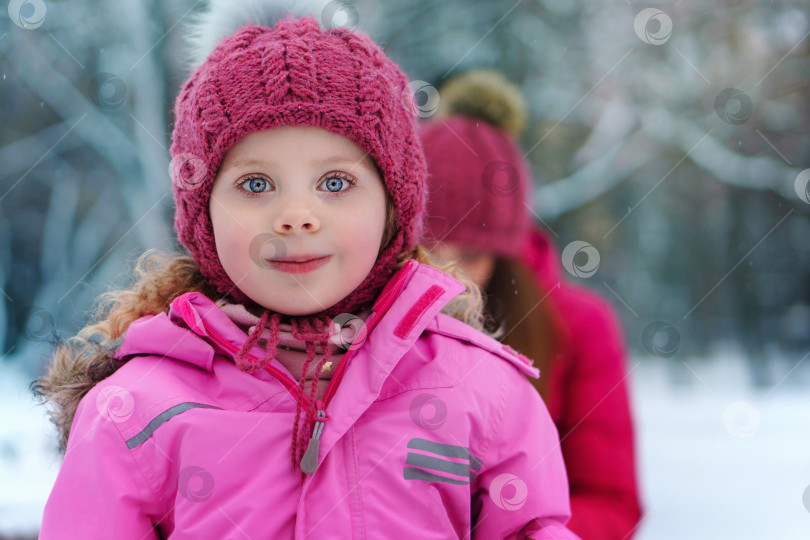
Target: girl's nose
(293, 220)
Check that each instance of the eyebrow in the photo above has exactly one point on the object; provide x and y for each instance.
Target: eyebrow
(362, 161)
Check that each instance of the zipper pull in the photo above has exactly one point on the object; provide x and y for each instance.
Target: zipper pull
(309, 463)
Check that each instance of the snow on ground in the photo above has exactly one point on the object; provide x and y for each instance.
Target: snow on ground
(717, 459)
(28, 459)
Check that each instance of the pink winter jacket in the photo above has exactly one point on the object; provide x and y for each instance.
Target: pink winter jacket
(432, 431)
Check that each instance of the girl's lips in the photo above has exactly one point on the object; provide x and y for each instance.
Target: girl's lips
(299, 267)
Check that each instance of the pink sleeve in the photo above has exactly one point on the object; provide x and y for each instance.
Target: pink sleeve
(523, 491)
(99, 491)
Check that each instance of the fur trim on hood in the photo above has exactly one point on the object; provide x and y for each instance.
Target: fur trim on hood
(74, 371)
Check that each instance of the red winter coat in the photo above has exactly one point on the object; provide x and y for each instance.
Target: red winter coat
(588, 402)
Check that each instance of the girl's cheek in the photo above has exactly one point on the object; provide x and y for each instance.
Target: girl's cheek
(356, 231)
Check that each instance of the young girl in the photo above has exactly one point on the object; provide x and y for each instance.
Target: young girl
(308, 373)
(571, 333)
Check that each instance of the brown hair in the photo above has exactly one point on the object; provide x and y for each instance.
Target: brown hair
(529, 323)
(86, 359)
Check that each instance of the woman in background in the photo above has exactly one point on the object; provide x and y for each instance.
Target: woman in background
(478, 216)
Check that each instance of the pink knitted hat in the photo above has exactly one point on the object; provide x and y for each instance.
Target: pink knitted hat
(295, 74)
(478, 179)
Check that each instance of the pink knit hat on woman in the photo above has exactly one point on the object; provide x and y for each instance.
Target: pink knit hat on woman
(296, 74)
(478, 179)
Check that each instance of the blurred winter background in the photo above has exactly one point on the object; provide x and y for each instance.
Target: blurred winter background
(672, 137)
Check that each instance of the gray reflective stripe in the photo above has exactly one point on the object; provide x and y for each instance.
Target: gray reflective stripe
(439, 448)
(441, 465)
(163, 417)
(427, 462)
(419, 474)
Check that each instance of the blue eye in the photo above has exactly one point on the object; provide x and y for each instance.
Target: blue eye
(336, 183)
(255, 184)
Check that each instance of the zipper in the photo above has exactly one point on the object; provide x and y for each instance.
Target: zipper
(309, 463)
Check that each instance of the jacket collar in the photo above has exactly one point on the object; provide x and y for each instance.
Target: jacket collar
(408, 302)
